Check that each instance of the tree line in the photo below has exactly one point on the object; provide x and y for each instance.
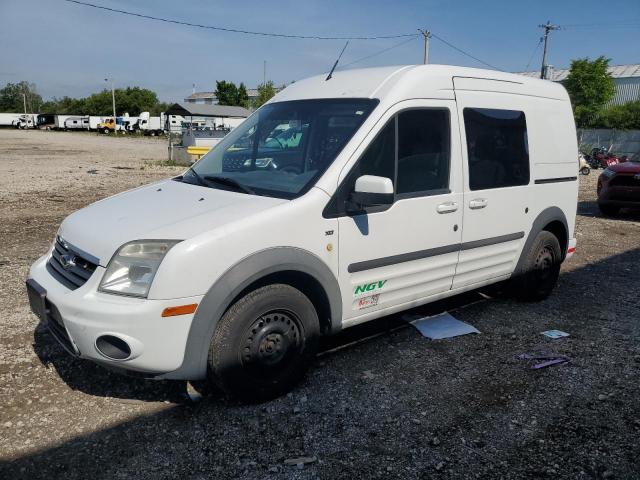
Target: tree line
(132, 100)
(228, 93)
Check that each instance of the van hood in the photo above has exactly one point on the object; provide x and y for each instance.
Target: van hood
(167, 210)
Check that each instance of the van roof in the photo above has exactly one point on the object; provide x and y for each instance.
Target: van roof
(415, 81)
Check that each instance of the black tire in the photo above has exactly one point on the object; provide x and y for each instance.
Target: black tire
(105, 131)
(264, 343)
(540, 270)
(585, 170)
(608, 210)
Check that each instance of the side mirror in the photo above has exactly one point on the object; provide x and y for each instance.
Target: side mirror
(371, 191)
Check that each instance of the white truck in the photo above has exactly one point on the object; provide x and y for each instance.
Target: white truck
(395, 187)
(149, 125)
(9, 119)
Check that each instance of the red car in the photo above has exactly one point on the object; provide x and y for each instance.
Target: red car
(619, 187)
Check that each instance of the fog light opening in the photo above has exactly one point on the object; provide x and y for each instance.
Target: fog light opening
(113, 348)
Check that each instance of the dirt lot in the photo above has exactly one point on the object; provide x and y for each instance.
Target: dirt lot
(393, 406)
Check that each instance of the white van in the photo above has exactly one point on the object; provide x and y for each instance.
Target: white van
(401, 186)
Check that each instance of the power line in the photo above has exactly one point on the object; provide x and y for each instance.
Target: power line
(236, 30)
(380, 52)
(463, 52)
(533, 54)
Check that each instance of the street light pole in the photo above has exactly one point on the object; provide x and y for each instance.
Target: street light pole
(427, 35)
(113, 100)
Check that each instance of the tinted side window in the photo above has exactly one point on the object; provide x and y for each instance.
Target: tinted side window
(497, 148)
(378, 159)
(423, 151)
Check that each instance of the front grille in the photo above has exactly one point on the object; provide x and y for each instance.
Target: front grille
(56, 327)
(69, 267)
(624, 181)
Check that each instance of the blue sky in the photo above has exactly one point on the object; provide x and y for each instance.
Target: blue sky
(68, 49)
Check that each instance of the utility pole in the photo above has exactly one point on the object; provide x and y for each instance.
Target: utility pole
(24, 100)
(547, 28)
(426, 34)
(113, 98)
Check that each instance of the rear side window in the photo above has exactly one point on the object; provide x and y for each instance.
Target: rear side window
(497, 148)
(423, 151)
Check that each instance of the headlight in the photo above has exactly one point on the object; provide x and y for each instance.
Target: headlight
(608, 173)
(132, 268)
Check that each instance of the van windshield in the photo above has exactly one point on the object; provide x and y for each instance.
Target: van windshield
(283, 148)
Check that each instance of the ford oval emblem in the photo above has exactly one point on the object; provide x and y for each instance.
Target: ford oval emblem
(68, 261)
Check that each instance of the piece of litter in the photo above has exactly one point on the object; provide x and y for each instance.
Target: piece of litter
(547, 360)
(555, 334)
(548, 363)
(440, 326)
(300, 461)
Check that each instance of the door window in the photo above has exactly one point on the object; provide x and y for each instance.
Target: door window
(423, 152)
(497, 148)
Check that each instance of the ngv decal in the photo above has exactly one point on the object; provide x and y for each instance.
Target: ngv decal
(369, 287)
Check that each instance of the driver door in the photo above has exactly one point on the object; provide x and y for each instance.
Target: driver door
(396, 256)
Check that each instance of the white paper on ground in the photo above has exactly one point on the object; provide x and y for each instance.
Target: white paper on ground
(555, 334)
(440, 326)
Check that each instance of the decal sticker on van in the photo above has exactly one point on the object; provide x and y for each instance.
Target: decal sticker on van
(366, 302)
(369, 287)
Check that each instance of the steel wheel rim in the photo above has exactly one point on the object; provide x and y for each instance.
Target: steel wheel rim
(544, 263)
(271, 343)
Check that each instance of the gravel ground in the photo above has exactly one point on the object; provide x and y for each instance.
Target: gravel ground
(395, 405)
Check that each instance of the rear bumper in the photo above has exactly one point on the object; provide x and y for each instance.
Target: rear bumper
(77, 318)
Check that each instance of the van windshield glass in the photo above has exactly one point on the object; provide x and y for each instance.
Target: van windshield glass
(283, 148)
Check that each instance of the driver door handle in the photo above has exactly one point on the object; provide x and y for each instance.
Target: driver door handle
(478, 203)
(448, 207)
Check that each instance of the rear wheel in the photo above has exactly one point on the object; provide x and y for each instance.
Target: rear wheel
(264, 343)
(540, 270)
(608, 210)
(105, 131)
(585, 170)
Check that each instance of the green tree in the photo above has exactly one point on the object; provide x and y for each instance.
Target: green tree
(621, 117)
(226, 92)
(242, 99)
(14, 96)
(590, 87)
(265, 92)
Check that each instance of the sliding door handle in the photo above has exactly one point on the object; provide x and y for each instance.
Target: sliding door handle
(478, 203)
(448, 207)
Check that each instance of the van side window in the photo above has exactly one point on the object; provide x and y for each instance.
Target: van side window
(423, 151)
(497, 148)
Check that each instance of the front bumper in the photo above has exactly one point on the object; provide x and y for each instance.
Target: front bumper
(157, 343)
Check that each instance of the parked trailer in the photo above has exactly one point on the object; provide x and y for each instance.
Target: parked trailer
(59, 122)
(94, 121)
(77, 123)
(27, 120)
(46, 121)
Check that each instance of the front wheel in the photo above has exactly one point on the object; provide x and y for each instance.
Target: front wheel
(264, 343)
(540, 270)
(585, 170)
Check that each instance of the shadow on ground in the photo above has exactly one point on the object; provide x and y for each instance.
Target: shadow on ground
(441, 408)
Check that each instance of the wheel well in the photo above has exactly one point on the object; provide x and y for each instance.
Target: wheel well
(558, 229)
(304, 282)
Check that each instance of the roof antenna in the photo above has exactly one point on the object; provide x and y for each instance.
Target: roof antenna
(336, 64)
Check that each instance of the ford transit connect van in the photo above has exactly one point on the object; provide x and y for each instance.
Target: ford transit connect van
(337, 202)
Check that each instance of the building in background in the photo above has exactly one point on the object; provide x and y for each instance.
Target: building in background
(625, 77)
(202, 98)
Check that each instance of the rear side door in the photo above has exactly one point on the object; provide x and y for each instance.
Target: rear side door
(393, 257)
(497, 198)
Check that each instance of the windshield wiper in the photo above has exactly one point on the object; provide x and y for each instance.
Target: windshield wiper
(228, 182)
(197, 175)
